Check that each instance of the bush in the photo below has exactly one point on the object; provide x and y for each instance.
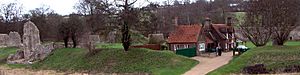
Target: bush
(156, 39)
(256, 69)
(292, 69)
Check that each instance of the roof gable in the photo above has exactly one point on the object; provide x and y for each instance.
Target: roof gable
(220, 29)
(217, 32)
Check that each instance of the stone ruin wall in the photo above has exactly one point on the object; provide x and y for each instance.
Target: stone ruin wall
(13, 39)
(31, 49)
(3, 40)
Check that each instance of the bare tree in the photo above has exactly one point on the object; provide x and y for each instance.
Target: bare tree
(40, 17)
(168, 2)
(99, 14)
(85, 7)
(10, 12)
(195, 12)
(266, 19)
(72, 28)
(186, 1)
(126, 16)
(255, 26)
(150, 22)
(282, 16)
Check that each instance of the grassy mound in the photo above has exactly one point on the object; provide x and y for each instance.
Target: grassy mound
(118, 61)
(275, 58)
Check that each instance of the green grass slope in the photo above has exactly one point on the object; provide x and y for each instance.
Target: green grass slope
(116, 60)
(288, 43)
(274, 57)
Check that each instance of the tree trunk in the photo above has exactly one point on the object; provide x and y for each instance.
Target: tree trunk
(66, 39)
(278, 42)
(258, 43)
(74, 40)
(125, 29)
(126, 37)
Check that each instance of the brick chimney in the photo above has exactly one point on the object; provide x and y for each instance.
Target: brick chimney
(207, 24)
(207, 21)
(229, 21)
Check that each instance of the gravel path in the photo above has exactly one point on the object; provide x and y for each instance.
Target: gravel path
(209, 64)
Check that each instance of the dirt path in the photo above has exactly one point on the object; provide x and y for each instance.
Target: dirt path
(209, 64)
(4, 70)
(21, 71)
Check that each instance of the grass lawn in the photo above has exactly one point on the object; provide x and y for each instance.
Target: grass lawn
(113, 59)
(275, 58)
(288, 43)
(110, 45)
(4, 53)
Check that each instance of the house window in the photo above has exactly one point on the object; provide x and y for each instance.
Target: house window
(180, 46)
(227, 36)
(175, 48)
(226, 46)
(186, 46)
(202, 47)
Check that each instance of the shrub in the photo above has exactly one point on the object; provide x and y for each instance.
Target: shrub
(292, 69)
(156, 39)
(256, 69)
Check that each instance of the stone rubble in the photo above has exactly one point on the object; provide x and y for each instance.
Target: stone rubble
(31, 50)
(94, 38)
(89, 41)
(112, 36)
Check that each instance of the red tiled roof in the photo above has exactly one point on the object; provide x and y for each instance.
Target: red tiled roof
(185, 34)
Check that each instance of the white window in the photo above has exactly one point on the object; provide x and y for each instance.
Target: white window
(175, 47)
(227, 36)
(180, 46)
(226, 46)
(202, 47)
(186, 46)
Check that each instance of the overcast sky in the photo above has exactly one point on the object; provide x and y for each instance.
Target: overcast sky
(61, 6)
